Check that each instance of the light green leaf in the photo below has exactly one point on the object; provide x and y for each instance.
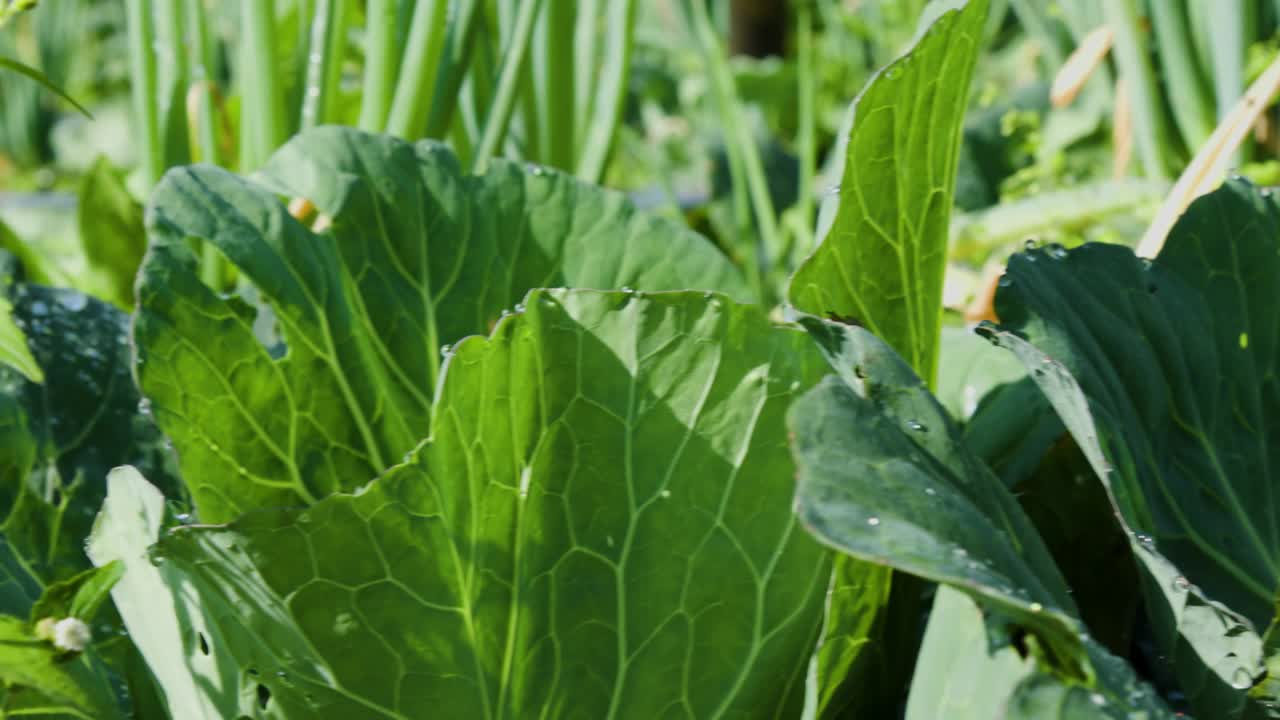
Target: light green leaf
(598, 527)
(111, 231)
(1164, 372)
(959, 675)
(13, 346)
(883, 259)
(163, 615)
(418, 256)
(884, 476)
(80, 596)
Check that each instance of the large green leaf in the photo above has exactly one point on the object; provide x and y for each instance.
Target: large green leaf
(884, 476)
(417, 255)
(1165, 373)
(599, 526)
(883, 258)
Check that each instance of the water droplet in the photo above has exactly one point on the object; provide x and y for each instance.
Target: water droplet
(930, 491)
(1146, 541)
(1056, 251)
(917, 426)
(1181, 584)
(628, 290)
(144, 406)
(1036, 607)
(1242, 679)
(893, 72)
(1005, 281)
(73, 301)
(446, 349)
(184, 518)
(1098, 699)
(960, 552)
(873, 521)
(39, 308)
(664, 494)
(519, 307)
(1030, 244)
(608, 540)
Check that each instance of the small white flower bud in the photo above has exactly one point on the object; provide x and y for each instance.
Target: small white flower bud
(71, 634)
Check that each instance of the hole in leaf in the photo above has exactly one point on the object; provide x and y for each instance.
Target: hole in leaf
(204, 644)
(264, 696)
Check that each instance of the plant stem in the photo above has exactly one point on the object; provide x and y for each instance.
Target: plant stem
(1139, 81)
(419, 68)
(1192, 110)
(1230, 29)
(609, 91)
(200, 57)
(262, 99)
(326, 49)
(806, 139)
(554, 74)
(495, 125)
(381, 58)
(586, 70)
(458, 49)
(738, 139)
(142, 67)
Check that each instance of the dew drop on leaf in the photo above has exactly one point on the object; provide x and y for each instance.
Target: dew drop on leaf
(873, 521)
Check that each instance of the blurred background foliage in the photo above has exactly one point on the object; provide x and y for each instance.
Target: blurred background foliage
(725, 113)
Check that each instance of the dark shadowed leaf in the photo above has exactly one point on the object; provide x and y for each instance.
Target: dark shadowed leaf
(884, 476)
(1165, 374)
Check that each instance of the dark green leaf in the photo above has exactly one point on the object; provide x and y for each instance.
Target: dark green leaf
(1164, 372)
(884, 476)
